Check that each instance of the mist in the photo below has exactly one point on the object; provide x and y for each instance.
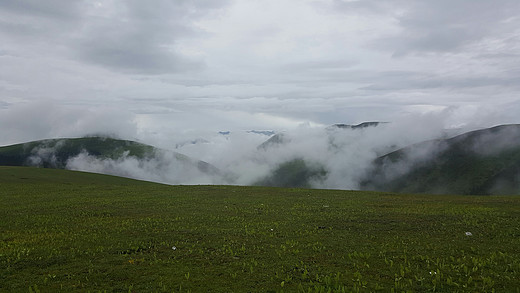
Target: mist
(345, 154)
(247, 157)
(238, 155)
(163, 167)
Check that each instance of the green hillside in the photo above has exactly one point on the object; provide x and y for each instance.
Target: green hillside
(55, 153)
(66, 231)
(294, 173)
(480, 162)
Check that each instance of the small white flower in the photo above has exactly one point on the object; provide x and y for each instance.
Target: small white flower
(272, 229)
(468, 234)
(174, 247)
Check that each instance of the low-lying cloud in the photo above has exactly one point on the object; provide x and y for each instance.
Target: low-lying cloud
(163, 167)
(240, 157)
(344, 153)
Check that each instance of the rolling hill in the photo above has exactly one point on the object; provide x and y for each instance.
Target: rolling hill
(106, 155)
(485, 161)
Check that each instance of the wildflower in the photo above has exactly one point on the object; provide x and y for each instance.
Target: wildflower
(468, 234)
(174, 247)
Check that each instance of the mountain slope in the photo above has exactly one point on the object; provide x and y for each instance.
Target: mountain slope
(479, 162)
(54, 153)
(294, 173)
(108, 156)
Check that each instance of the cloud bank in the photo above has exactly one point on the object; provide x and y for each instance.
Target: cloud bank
(195, 65)
(163, 167)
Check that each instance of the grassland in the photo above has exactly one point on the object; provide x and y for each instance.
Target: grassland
(66, 231)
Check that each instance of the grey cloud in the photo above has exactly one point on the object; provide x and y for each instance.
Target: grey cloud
(498, 56)
(436, 26)
(140, 38)
(440, 26)
(4, 105)
(130, 36)
(366, 6)
(424, 81)
(319, 65)
(24, 122)
(65, 9)
(74, 53)
(132, 51)
(39, 20)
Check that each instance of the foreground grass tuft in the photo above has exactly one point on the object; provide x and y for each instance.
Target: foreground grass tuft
(64, 231)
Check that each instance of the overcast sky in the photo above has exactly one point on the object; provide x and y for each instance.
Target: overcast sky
(148, 69)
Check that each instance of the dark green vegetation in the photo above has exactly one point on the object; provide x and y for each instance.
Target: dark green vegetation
(68, 231)
(479, 162)
(294, 173)
(54, 153)
(358, 126)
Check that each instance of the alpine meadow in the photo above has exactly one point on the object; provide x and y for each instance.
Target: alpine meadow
(310, 146)
(71, 231)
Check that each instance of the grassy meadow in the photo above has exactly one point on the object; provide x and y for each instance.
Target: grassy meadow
(65, 231)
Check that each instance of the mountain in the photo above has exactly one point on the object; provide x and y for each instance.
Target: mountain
(301, 171)
(294, 173)
(275, 140)
(280, 139)
(480, 162)
(54, 153)
(106, 155)
(358, 126)
(262, 132)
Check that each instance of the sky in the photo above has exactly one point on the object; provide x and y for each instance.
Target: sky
(166, 71)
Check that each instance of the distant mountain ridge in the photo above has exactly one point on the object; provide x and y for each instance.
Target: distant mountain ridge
(483, 162)
(358, 126)
(67, 153)
(281, 138)
(54, 153)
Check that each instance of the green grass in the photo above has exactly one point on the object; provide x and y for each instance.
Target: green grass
(66, 231)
